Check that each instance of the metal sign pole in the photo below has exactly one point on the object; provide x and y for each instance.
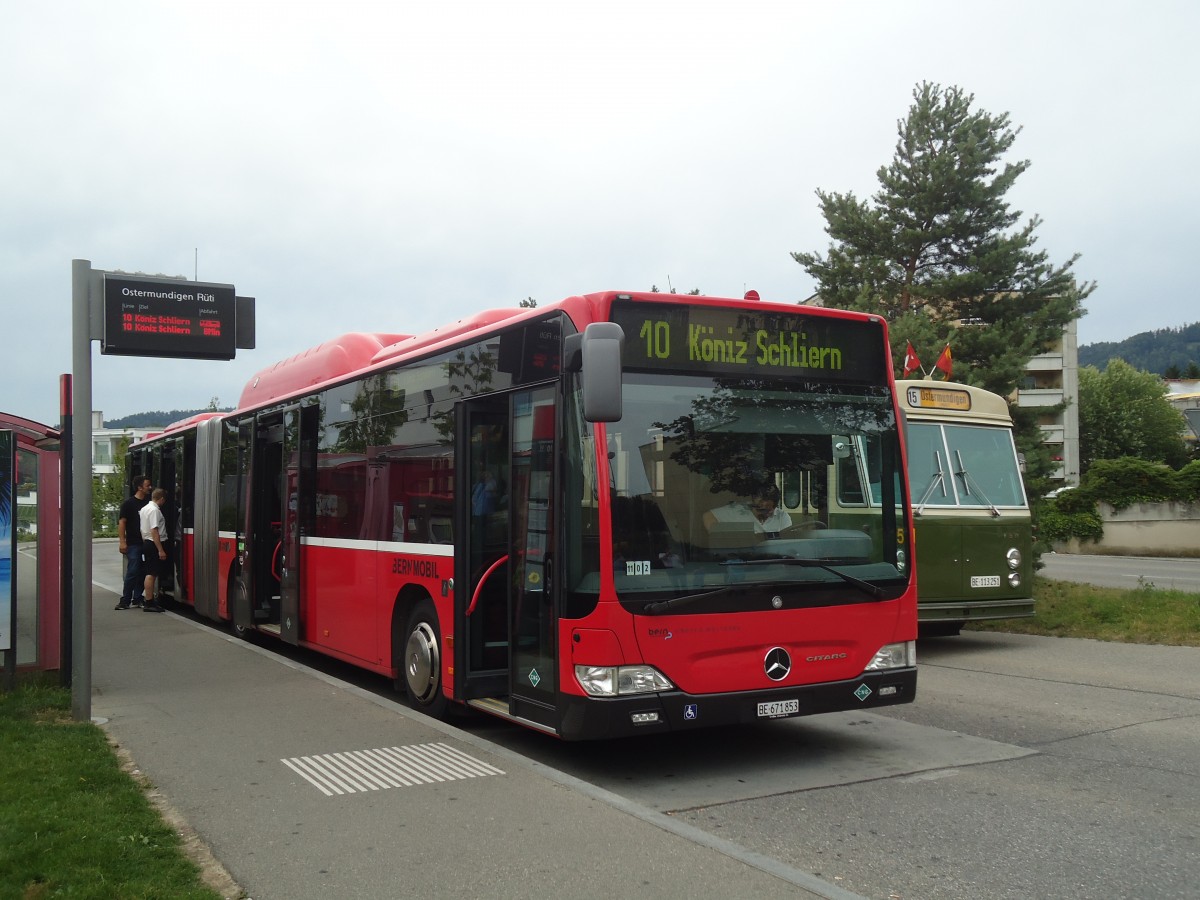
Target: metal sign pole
(132, 315)
(82, 334)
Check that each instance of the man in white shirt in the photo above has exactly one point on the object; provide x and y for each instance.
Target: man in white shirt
(154, 548)
(762, 513)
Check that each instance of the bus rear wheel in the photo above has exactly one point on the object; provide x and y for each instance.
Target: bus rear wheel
(239, 598)
(420, 667)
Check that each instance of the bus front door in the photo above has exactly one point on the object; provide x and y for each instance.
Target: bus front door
(505, 618)
(533, 660)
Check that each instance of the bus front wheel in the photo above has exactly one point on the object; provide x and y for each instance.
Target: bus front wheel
(421, 665)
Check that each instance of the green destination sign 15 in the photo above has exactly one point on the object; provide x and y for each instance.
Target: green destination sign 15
(737, 341)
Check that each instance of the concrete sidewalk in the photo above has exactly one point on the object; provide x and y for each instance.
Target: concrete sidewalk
(306, 787)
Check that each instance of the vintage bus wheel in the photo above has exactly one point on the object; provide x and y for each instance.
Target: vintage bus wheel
(421, 668)
(939, 629)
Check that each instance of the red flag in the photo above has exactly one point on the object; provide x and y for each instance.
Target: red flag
(911, 363)
(944, 362)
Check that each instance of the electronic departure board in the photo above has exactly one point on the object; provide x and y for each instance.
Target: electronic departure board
(168, 318)
(720, 340)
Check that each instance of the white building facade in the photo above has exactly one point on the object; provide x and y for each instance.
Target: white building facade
(1052, 378)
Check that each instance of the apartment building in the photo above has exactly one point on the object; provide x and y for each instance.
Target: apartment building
(1184, 395)
(1052, 378)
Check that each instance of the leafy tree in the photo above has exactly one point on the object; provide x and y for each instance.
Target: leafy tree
(528, 303)
(110, 490)
(938, 253)
(1124, 412)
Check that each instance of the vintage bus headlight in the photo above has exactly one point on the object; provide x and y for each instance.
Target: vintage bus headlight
(611, 681)
(1014, 579)
(1014, 559)
(894, 656)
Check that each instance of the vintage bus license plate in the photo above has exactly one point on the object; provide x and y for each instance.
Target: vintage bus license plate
(985, 581)
(776, 708)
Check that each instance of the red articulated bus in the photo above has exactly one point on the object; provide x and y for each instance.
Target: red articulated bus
(613, 515)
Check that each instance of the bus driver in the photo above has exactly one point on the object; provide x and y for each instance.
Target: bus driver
(762, 512)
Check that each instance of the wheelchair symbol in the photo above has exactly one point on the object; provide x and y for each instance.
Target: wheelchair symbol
(691, 711)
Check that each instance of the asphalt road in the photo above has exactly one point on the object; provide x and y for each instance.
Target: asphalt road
(1028, 767)
(1124, 571)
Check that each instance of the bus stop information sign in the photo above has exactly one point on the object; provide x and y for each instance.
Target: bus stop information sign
(165, 317)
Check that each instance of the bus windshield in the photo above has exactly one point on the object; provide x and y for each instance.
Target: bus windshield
(963, 465)
(723, 481)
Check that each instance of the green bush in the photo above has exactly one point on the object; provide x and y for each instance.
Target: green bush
(1187, 481)
(1055, 524)
(1075, 500)
(1128, 480)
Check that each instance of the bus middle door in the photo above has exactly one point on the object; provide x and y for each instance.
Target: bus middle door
(298, 477)
(482, 565)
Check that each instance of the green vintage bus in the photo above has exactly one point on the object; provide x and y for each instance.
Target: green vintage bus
(974, 535)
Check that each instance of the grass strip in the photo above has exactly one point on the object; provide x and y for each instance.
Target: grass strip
(1142, 615)
(72, 823)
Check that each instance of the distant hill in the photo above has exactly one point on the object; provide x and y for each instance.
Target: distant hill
(156, 419)
(1150, 351)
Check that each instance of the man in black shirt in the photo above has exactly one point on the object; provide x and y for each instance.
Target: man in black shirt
(129, 534)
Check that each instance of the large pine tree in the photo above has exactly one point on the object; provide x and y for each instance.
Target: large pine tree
(936, 252)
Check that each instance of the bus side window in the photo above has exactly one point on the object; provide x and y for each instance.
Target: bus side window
(849, 483)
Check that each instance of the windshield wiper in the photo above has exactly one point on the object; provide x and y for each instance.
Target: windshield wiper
(969, 482)
(938, 478)
(662, 606)
(864, 586)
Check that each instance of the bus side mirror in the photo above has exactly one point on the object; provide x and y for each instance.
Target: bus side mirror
(599, 362)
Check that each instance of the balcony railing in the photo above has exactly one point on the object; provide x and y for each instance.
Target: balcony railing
(1039, 396)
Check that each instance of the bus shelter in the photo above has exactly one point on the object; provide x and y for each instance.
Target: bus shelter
(35, 515)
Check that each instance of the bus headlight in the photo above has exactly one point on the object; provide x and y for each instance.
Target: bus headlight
(1014, 579)
(1014, 559)
(612, 681)
(894, 656)
(901, 561)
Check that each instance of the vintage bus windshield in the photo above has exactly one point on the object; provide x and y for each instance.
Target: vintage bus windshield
(963, 465)
(720, 481)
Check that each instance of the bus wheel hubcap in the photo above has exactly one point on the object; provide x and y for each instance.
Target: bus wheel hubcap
(421, 661)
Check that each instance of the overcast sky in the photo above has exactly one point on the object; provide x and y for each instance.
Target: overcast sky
(394, 166)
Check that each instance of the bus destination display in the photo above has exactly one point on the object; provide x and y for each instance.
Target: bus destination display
(939, 398)
(168, 318)
(725, 341)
